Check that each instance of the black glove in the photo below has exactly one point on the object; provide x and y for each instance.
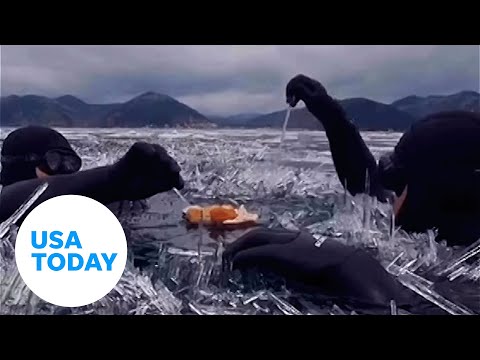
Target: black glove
(329, 267)
(306, 89)
(146, 170)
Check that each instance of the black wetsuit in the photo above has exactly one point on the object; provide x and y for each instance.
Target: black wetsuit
(322, 269)
(438, 159)
(144, 171)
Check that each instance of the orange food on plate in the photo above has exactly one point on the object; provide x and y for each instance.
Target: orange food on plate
(243, 216)
(219, 214)
(194, 214)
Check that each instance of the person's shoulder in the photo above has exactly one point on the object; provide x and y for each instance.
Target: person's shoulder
(449, 117)
(441, 123)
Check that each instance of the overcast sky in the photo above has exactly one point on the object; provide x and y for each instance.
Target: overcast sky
(233, 79)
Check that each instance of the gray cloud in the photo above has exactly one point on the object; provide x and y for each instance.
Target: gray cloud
(233, 79)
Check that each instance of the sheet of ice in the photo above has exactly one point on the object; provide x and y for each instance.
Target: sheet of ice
(300, 189)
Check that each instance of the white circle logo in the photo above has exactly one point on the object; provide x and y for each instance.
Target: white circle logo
(71, 251)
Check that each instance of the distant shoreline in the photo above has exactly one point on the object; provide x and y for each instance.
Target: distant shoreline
(183, 129)
(153, 110)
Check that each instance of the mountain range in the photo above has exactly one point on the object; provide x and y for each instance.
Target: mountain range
(147, 110)
(367, 115)
(371, 115)
(422, 106)
(158, 110)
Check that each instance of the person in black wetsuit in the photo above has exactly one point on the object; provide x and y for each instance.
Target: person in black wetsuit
(36, 152)
(432, 178)
(33, 155)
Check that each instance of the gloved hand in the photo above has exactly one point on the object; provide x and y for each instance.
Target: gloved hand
(327, 267)
(306, 89)
(145, 170)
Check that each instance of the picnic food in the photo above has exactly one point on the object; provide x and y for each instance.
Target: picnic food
(218, 215)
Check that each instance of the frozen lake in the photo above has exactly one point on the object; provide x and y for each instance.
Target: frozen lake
(293, 186)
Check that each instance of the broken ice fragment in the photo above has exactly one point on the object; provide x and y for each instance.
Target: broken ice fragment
(466, 254)
(397, 271)
(394, 261)
(367, 206)
(182, 252)
(195, 309)
(287, 221)
(320, 241)
(285, 123)
(5, 226)
(259, 308)
(393, 307)
(181, 196)
(253, 298)
(423, 287)
(336, 310)
(459, 272)
(407, 266)
(283, 306)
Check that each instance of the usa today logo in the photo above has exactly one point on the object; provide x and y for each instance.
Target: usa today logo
(71, 251)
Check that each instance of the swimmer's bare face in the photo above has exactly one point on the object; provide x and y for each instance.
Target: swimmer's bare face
(40, 173)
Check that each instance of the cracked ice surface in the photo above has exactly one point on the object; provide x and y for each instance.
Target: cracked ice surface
(294, 187)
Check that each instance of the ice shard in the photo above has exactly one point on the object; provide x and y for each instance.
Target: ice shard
(5, 226)
(285, 123)
(187, 203)
(367, 200)
(449, 266)
(423, 287)
(393, 307)
(336, 310)
(284, 306)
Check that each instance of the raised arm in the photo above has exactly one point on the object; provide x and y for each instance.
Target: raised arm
(351, 156)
